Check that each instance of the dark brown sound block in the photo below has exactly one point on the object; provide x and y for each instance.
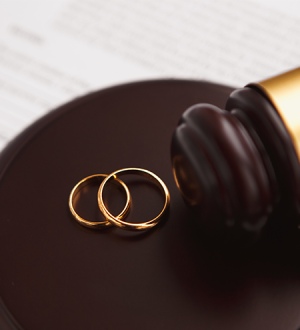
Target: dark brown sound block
(56, 274)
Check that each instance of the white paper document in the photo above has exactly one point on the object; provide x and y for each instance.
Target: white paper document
(53, 51)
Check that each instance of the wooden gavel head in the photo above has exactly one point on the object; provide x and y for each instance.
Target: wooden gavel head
(234, 166)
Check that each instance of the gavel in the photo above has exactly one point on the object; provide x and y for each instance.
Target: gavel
(234, 166)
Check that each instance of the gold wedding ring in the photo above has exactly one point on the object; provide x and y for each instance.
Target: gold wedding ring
(117, 221)
(86, 181)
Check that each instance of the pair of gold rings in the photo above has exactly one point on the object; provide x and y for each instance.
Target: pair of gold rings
(111, 220)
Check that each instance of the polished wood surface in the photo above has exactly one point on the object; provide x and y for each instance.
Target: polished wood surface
(56, 274)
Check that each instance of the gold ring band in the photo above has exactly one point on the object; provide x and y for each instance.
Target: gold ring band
(117, 220)
(89, 180)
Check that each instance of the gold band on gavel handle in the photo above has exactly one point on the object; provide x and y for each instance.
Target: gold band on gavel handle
(284, 93)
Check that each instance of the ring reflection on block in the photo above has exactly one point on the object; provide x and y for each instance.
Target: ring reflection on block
(86, 181)
(127, 225)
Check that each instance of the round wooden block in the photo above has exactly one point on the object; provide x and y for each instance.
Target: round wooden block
(56, 274)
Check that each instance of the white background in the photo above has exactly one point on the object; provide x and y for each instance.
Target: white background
(52, 51)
